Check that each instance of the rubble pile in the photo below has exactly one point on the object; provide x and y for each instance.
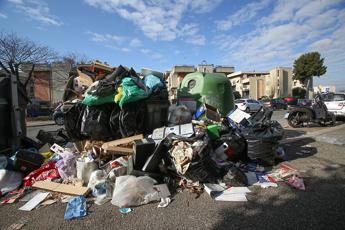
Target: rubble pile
(123, 143)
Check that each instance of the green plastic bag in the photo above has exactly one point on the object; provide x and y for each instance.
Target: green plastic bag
(91, 100)
(131, 92)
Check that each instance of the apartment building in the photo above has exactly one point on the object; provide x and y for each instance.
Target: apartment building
(277, 82)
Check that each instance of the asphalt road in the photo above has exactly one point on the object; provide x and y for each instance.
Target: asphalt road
(321, 206)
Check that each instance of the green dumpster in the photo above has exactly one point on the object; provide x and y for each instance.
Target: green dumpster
(210, 88)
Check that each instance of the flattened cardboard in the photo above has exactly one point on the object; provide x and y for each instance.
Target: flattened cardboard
(61, 188)
(122, 141)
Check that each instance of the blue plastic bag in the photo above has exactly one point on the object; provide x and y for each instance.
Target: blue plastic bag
(152, 82)
(76, 208)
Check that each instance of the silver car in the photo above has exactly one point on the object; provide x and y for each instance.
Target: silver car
(248, 105)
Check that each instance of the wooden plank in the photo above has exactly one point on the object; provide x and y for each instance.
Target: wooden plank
(119, 149)
(61, 188)
(122, 141)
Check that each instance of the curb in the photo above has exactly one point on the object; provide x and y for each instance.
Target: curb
(38, 125)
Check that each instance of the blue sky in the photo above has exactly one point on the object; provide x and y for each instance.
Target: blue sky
(249, 35)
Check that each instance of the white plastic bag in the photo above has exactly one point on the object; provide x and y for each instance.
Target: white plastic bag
(101, 188)
(134, 191)
(9, 180)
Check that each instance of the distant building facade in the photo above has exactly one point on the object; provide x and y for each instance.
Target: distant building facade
(178, 72)
(47, 82)
(278, 82)
(248, 84)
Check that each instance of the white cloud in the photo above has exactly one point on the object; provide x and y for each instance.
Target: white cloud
(281, 41)
(291, 29)
(297, 10)
(190, 33)
(135, 42)
(158, 20)
(36, 10)
(96, 37)
(242, 15)
(123, 49)
(4, 16)
(152, 54)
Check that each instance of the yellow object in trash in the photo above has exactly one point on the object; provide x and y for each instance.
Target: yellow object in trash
(118, 96)
(47, 155)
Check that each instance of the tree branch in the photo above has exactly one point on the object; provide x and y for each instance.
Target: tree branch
(4, 68)
(30, 75)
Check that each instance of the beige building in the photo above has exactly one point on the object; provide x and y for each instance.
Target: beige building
(246, 82)
(277, 82)
(178, 72)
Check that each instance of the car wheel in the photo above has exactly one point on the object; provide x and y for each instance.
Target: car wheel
(59, 120)
(247, 110)
(274, 107)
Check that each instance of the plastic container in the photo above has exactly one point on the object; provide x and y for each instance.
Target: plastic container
(210, 88)
(84, 169)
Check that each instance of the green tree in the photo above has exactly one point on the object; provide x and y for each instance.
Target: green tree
(299, 92)
(306, 67)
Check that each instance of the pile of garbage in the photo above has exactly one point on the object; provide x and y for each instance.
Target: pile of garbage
(123, 143)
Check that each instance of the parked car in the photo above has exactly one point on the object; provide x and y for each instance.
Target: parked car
(248, 105)
(304, 102)
(39, 108)
(58, 116)
(275, 103)
(335, 103)
(290, 101)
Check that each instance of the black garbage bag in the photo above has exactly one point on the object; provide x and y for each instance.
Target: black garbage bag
(234, 145)
(102, 89)
(95, 123)
(262, 139)
(262, 115)
(73, 113)
(114, 122)
(132, 118)
(59, 137)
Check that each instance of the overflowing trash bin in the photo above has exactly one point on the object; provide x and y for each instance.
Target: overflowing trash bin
(123, 142)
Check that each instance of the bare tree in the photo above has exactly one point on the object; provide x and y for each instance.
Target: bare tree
(16, 51)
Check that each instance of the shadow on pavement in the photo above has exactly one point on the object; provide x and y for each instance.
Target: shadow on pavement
(320, 206)
(288, 133)
(300, 148)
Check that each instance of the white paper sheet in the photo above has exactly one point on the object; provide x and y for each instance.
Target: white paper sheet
(232, 197)
(237, 190)
(36, 200)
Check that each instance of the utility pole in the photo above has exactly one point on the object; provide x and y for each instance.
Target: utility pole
(15, 114)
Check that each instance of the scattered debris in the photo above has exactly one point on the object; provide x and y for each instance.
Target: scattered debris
(125, 210)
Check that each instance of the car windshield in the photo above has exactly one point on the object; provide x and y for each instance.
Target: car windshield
(339, 97)
(239, 101)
